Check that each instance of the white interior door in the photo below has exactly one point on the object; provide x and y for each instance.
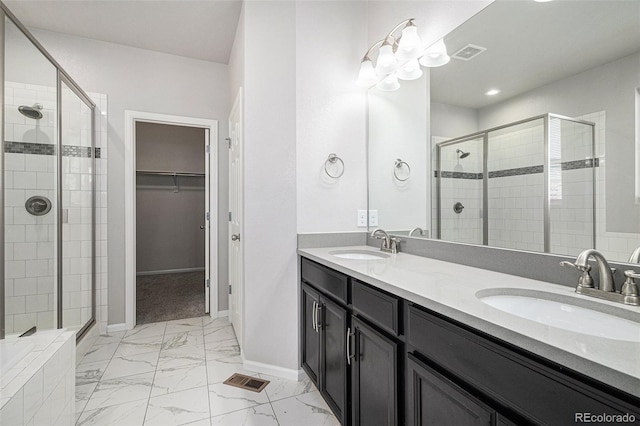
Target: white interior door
(207, 221)
(236, 267)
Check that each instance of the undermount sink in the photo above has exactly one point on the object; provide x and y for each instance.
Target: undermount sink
(560, 311)
(358, 254)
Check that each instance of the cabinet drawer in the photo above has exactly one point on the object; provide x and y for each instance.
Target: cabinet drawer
(324, 279)
(536, 391)
(378, 307)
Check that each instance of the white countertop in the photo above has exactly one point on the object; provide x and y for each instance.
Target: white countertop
(450, 289)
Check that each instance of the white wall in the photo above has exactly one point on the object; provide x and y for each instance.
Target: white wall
(331, 38)
(451, 121)
(398, 130)
(270, 308)
(142, 80)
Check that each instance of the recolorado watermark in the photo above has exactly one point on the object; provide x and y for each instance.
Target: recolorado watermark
(604, 418)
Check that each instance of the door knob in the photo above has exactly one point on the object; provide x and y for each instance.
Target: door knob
(235, 237)
(201, 226)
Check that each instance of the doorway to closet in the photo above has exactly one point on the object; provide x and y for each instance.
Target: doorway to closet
(171, 222)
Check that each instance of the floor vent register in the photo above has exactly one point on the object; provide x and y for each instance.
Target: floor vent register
(246, 382)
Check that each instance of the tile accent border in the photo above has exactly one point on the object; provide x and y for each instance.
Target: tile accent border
(568, 165)
(460, 175)
(580, 164)
(516, 172)
(48, 149)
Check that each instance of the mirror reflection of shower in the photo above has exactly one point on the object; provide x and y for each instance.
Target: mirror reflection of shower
(34, 112)
(462, 154)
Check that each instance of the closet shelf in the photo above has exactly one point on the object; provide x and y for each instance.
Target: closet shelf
(164, 173)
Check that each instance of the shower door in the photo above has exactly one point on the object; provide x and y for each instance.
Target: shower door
(516, 186)
(572, 166)
(460, 190)
(30, 186)
(77, 164)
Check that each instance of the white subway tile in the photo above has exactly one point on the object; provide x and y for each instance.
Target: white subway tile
(36, 268)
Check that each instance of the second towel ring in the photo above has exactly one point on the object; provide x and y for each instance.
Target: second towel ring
(398, 166)
(333, 159)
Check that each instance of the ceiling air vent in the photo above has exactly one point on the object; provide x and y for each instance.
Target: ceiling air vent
(469, 52)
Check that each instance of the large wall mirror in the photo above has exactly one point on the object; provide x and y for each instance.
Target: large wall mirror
(549, 161)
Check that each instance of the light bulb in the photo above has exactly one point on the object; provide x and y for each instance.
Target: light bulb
(410, 71)
(389, 83)
(367, 76)
(435, 55)
(387, 62)
(410, 45)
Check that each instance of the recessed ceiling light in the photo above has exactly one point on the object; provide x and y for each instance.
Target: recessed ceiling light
(541, 1)
(492, 92)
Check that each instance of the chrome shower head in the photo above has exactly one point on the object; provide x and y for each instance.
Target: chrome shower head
(462, 154)
(31, 111)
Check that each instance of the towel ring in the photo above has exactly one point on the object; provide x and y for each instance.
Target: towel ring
(332, 160)
(399, 165)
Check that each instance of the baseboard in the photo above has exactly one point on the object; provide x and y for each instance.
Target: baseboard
(114, 328)
(273, 370)
(169, 271)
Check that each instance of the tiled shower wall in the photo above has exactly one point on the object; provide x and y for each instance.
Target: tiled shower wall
(30, 249)
(30, 165)
(516, 187)
(462, 182)
(516, 178)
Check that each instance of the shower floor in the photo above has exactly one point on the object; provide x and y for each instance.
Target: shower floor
(169, 297)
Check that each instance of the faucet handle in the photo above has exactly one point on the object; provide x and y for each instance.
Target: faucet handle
(630, 288)
(580, 268)
(585, 281)
(630, 273)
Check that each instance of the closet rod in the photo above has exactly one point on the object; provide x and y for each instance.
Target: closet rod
(159, 173)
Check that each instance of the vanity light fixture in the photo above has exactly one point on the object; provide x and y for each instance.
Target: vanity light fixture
(399, 57)
(436, 55)
(492, 92)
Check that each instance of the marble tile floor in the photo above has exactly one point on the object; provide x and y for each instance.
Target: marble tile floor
(171, 373)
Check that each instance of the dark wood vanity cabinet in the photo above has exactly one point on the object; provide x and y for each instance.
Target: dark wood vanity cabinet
(310, 337)
(334, 374)
(324, 348)
(518, 385)
(374, 376)
(323, 330)
(432, 399)
(409, 365)
(349, 350)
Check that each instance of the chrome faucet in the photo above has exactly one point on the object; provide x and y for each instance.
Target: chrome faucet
(606, 284)
(418, 230)
(635, 256)
(389, 244)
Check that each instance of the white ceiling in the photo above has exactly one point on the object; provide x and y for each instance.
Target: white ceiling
(202, 29)
(532, 44)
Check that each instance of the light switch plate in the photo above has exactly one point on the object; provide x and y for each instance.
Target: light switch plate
(362, 219)
(373, 217)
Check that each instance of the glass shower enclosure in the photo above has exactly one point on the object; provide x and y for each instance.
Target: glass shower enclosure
(48, 164)
(528, 185)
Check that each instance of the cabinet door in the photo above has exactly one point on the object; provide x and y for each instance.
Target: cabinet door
(434, 400)
(374, 372)
(310, 334)
(334, 380)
